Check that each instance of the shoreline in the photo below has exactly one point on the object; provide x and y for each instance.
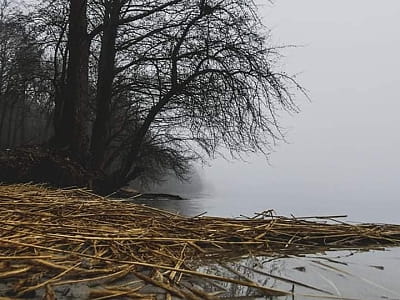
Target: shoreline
(55, 237)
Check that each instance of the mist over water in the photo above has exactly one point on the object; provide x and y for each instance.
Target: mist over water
(342, 151)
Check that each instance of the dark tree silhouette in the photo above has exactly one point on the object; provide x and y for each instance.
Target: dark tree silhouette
(154, 85)
(205, 78)
(72, 130)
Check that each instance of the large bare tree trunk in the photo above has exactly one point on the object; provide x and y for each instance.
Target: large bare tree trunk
(59, 83)
(101, 127)
(72, 128)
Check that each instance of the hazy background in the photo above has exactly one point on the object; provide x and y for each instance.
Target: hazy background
(343, 150)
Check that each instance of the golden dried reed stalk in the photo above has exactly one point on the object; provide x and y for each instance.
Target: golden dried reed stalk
(53, 237)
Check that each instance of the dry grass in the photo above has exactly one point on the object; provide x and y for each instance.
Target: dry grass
(52, 238)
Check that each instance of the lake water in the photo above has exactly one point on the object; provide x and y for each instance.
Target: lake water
(248, 205)
(342, 274)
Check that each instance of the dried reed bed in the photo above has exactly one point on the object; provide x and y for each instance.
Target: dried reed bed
(51, 238)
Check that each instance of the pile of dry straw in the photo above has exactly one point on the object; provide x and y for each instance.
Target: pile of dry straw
(56, 238)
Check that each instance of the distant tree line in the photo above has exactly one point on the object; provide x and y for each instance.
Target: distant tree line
(24, 84)
(135, 89)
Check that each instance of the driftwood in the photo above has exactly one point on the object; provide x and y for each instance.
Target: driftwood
(127, 192)
(51, 238)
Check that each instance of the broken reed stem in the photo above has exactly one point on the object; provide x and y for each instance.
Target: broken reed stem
(73, 236)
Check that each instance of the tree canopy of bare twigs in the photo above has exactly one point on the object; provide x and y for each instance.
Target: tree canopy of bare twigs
(147, 86)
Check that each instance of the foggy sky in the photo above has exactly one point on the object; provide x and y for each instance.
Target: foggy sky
(343, 150)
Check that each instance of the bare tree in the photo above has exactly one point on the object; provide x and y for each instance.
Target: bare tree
(74, 130)
(202, 77)
(171, 81)
(117, 14)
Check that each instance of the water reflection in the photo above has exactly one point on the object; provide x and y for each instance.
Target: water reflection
(332, 275)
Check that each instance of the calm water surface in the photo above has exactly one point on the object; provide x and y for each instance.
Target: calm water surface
(248, 205)
(342, 274)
